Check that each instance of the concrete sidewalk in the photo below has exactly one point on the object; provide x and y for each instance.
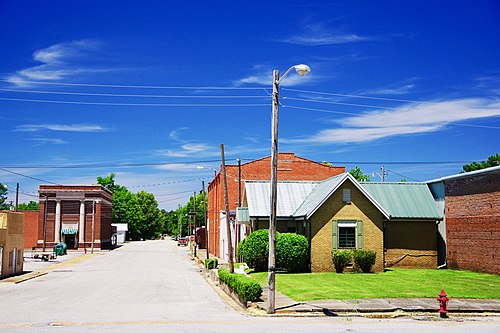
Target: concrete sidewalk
(286, 305)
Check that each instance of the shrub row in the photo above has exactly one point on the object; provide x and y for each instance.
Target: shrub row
(211, 263)
(245, 287)
(292, 251)
(363, 259)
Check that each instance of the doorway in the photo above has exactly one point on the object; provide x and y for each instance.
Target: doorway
(70, 241)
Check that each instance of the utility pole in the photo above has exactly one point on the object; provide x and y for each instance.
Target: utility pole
(194, 208)
(239, 182)
(228, 225)
(45, 221)
(17, 196)
(383, 173)
(93, 225)
(205, 216)
(271, 280)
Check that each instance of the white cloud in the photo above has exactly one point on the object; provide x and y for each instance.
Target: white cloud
(190, 150)
(42, 140)
(56, 62)
(392, 91)
(61, 127)
(264, 77)
(317, 35)
(415, 118)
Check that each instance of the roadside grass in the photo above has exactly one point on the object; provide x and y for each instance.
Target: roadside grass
(394, 283)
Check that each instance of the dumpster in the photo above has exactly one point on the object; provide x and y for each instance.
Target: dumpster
(60, 249)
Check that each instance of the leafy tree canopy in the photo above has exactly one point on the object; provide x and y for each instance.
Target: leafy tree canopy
(32, 205)
(3, 197)
(359, 175)
(493, 160)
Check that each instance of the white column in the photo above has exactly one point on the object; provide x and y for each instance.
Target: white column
(81, 226)
(57, 227)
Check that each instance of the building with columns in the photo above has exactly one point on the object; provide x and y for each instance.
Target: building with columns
(78, 215)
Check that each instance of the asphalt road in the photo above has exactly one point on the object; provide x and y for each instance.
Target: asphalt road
(154, 286)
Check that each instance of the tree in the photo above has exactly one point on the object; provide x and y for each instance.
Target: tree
(359, 175)
(493, 160)
(3, 197)
(109, 183)
(151, 225)
(32, 205)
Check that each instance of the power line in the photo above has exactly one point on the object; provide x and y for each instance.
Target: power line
(139, 86)
(354, 96)
(98, 165)
(338, 103)
(320, 110)
(34, 178)
(128, 104)
(130, 95)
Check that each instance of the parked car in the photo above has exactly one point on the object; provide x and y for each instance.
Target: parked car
(182, 241)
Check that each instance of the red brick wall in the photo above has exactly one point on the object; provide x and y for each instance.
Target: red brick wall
(30, 228)
(473, 223)
(290, 167)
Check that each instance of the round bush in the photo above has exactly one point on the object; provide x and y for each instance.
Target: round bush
(292, 252)
(255, 249)
(341, 258)
(364, 259)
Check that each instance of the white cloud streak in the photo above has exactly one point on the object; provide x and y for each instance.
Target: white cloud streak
(56, 62)
(61, 128)
(318, 35)
(415, 118)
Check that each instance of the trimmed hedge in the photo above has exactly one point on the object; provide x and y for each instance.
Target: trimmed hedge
(245, 287)
(254, 250)
(341, 258)
(364, 259)
(211, 263)
(292, 252)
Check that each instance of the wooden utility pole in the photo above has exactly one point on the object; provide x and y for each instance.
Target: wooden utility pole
(228, 222)
(93, 226)
(45, 221)
(17, 196)
(194, 209)
(205, 216)
(274, 194)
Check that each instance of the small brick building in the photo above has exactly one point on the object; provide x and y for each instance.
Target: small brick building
(79, 215)
(471, 229)
(396, 220)
(290, 167)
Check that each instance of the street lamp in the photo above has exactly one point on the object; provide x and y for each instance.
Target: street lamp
(301, 70)
(208, 168)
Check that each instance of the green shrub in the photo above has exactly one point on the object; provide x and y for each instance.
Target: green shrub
(341, 258)
(211, 263)
(245, 287)
(364, 259)
(254, 250)
(292, 252)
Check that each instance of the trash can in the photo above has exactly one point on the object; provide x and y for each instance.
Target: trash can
(60, 249)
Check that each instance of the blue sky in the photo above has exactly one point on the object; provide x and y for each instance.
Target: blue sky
(150, 89)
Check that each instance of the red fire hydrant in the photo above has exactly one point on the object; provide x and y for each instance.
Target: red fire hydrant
(443, 300)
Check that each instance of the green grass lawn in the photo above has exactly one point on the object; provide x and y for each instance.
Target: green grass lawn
(396, 283)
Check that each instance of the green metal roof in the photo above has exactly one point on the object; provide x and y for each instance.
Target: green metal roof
(404, 200)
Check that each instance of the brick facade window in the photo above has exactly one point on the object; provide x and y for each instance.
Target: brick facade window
(347, 234)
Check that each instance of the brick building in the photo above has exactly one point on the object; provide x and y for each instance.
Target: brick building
(396, 220)
(470, 234)
(30, 228)
(290, 167)
(79, 215)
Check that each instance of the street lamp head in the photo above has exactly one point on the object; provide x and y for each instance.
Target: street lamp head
(302, 69)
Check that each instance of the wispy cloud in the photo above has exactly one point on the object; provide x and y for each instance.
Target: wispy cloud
(61, 128)
(392, 91)
(318, 35)
(57, 62)
(263, 75)
(190, 150)
(42, 141)
(415, 118)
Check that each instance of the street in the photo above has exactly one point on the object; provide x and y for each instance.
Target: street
(155, 286)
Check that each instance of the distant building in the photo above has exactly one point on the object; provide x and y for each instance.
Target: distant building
(79, 215)
(11, 243)
(121, 232)
(469, 236)
(30, 228)
(290, 167)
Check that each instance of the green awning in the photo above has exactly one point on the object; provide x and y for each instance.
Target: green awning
(69, 231)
